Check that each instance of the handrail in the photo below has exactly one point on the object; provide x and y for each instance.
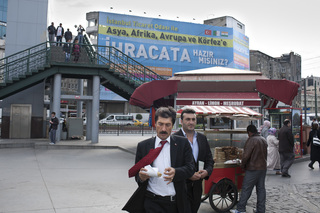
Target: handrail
(46, 54)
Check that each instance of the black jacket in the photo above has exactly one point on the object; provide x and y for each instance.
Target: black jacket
(51, 29)
(55, 123)
(181, 161)
(68, 35)
(315, 150)
(204, 155)
(286, 141)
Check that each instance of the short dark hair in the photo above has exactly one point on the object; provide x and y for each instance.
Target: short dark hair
(315, 125)
(166, 112)
(286, 122)
(252, 128)
(187, 111)
(53, 113)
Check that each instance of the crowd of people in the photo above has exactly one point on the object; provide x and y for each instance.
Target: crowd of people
(184, 160)
(70, 47)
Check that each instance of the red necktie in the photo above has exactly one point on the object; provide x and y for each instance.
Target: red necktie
(146, 160)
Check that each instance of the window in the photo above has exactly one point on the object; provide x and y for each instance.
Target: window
(92, 23)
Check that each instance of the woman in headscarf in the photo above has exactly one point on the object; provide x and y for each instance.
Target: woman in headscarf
(264, 129)
(315, 150)
(273, 159)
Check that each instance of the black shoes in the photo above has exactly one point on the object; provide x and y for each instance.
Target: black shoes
(286, 175)
(311, 166)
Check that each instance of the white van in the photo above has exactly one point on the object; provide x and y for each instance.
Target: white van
(117, 119)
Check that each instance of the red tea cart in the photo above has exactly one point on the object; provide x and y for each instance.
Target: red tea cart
(223, 186)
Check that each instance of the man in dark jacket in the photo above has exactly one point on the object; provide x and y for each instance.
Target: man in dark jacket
(68, 35)
(166, 194)
(59, 34)
(201, 153)
(286, 144)
(54, 122)
(254, 162)
(52, 32)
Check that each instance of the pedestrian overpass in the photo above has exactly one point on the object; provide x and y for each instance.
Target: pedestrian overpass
(103, 65)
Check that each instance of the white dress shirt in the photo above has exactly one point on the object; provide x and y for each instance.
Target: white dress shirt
(157, 185)
(194, 145)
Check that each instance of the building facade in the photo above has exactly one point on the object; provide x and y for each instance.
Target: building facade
(288, 66)
(312, 91)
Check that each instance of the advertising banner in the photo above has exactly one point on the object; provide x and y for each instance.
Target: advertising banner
(168, 47)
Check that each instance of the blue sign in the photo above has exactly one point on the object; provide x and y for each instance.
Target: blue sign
(167, 46)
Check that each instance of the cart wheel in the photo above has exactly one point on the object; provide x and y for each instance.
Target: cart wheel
(223, 195)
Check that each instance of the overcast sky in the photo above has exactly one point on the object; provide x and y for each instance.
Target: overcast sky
(274, 27)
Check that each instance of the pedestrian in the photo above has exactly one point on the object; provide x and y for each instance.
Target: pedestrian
(59, 34)
(76, 50)
(165, 194)
(286, 148)
(68, 35)
(273, 160)
(254, 162)
(80, 31)
(315, 149)
(67, 50)
(264, 129)
(201, 153)
(52, 32)
(54, 122)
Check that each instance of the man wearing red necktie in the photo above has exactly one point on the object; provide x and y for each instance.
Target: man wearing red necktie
(165, 194)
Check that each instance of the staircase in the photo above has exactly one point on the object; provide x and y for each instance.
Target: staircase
(118, 72)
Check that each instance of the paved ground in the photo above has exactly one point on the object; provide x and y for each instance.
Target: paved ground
(77, 176)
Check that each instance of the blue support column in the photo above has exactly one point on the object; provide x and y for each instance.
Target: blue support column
(89, 112)
(79, 103)
(95, 109)
(56, 101)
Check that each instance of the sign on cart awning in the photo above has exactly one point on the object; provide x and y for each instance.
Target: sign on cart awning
(232, 112)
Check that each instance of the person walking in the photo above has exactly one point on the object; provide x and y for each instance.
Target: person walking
(254, 162)
(273, 160)
(76, 50)
(67, 50)
(315, 149)
(68, 35)
(264, 130)
(52, 32)
(201, 153)
(54, 122)
(80, 31)
(59, 34)
(172, 155)
(286, 145)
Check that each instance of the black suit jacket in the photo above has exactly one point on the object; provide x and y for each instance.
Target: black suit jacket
(183, 163)
(204, 155)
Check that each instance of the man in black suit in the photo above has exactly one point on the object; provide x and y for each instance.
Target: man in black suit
(201, 152)
(166, 194)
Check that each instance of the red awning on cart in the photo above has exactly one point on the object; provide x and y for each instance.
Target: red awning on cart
(147, 93)
(232, 112)
(281, 90)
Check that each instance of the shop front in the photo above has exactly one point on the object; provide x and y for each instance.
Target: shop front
(277, 117)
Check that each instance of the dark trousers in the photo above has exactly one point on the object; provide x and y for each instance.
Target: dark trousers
(59, 40)
(155, 205)
(194, 190)
(286, 160)
(253, 178)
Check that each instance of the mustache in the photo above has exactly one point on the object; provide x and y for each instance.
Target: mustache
(163, 132)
